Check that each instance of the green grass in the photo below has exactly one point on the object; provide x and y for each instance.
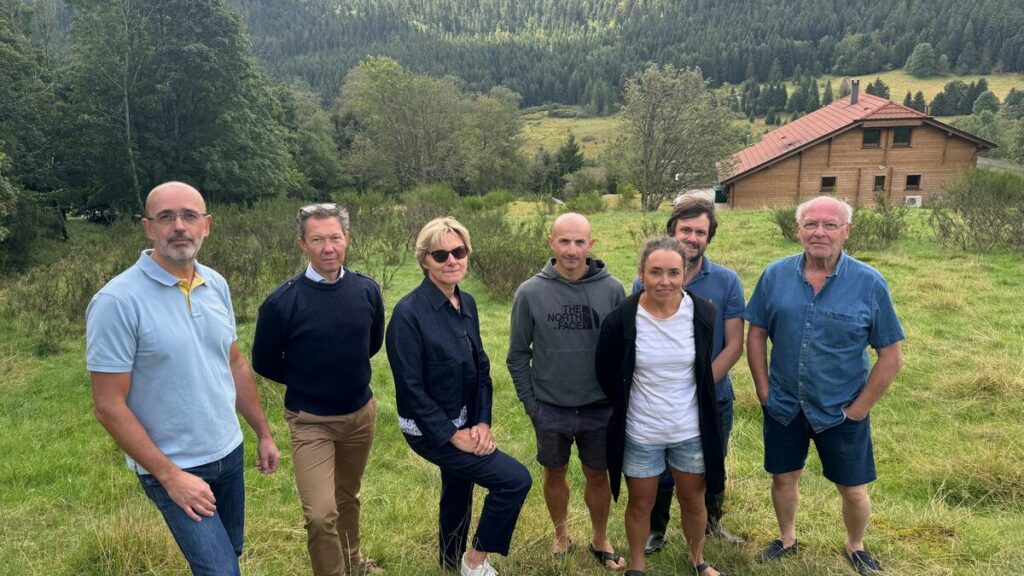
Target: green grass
(949, 498)
(593, 134)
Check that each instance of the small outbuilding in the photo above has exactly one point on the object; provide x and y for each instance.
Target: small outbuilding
(852, 149)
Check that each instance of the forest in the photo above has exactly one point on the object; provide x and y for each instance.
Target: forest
(248, 99)
(581, 51)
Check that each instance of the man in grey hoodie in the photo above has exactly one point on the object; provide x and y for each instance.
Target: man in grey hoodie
(556, 320)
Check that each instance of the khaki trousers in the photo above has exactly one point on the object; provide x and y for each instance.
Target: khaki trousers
(330, 455)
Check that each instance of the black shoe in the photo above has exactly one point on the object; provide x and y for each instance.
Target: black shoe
(715, 530)
(777, 550)
(655, 542)
(863, 563)
(633, 573)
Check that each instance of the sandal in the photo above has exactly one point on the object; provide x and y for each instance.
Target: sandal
(603, 557)
(701, 568)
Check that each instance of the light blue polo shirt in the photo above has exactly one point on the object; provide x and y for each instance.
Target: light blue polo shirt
(178, 352)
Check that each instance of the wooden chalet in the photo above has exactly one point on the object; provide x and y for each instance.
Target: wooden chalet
(851, 149)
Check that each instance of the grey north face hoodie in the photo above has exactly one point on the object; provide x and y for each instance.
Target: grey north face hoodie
(553, 335)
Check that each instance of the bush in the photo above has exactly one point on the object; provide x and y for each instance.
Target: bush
(627, 197)
(877, 228)
(497, 198)
(981, 210)
(587, 203)
(785, 218)
(650, 227)
(426, 202)
(380, 243)
(506, 253)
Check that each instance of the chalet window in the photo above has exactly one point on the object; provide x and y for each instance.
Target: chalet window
(879, 184)
(872, 136)
(913, 182)
(828, 184)
(901, 136)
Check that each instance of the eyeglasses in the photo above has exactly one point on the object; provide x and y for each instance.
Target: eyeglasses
(811, 226)
(328, 207)
(168, 218)
(441, 256)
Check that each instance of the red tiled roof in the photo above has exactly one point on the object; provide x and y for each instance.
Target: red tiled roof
(815, 126)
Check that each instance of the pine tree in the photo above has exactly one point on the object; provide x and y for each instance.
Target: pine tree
(919, 103)
(827, 98)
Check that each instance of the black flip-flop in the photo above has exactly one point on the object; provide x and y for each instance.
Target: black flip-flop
(863, 562)
(602, 557)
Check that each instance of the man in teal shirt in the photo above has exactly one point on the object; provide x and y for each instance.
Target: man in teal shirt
(167, 378)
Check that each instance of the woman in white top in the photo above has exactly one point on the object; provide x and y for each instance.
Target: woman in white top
(654, 364)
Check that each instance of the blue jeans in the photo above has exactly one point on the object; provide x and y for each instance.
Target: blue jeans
(660, 514)
(211, 546)
(507, 481)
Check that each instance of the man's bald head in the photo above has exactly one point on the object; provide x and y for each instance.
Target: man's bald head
(570, 244)
(842, 210)
(571, 220)
(175, 192)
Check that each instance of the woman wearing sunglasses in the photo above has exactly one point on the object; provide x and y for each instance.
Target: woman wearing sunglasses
(443, 392)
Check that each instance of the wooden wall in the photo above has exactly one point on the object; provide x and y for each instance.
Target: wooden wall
(937, 157)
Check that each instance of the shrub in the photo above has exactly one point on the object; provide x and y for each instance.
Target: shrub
(587, 203)
(426, 202)
(627, 197)
(505, 252)
(981, 210)
(650, 227)
(877, 228)
(380, 243)
(785, 218)
(497, 198)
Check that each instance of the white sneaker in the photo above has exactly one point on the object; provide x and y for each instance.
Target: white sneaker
(484, 569)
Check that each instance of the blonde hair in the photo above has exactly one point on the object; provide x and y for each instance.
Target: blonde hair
(434, 231)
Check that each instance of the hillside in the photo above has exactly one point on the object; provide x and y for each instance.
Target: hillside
(578, 51)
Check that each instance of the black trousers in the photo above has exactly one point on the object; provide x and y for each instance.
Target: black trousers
(507, 481)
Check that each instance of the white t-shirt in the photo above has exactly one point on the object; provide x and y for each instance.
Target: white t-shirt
(663, 401)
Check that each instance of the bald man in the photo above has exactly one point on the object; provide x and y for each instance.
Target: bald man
(556, 319)
(167, 378)
(821, 309)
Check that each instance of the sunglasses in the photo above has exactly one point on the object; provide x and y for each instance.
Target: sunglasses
(441, 256)
(328, 207)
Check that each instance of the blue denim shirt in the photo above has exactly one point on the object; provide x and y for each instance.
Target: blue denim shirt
(722, 286)
(819, 358)
(438, 362)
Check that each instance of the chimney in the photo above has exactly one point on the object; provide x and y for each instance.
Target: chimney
(855, 88)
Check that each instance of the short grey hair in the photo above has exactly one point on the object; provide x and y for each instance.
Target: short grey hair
(320, 212)
(803, 208)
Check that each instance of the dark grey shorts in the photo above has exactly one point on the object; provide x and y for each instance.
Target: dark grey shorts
(557, 427)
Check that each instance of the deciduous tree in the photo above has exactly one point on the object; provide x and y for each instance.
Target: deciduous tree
(675, 132)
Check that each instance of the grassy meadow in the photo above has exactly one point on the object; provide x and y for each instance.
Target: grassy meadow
(949, 498)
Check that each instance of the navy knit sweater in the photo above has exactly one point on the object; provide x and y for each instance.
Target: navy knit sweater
(317, 339)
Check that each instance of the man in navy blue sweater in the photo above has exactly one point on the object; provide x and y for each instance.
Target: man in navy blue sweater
(316, 334)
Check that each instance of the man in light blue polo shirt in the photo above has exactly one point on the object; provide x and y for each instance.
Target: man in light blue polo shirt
(167, 378)
(693, 222)
(822, 309)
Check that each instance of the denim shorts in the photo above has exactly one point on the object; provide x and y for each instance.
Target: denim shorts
(557, 427)
(648, 460)
(846, 453)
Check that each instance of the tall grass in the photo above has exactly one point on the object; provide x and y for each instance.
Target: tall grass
(949, 498)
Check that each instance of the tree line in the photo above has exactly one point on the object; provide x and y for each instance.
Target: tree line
(582, 51)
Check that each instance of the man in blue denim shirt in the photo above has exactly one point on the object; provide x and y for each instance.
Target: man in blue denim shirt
(822, 309)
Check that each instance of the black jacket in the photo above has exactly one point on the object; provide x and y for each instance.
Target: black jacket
(616, 359)
(438, 361)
